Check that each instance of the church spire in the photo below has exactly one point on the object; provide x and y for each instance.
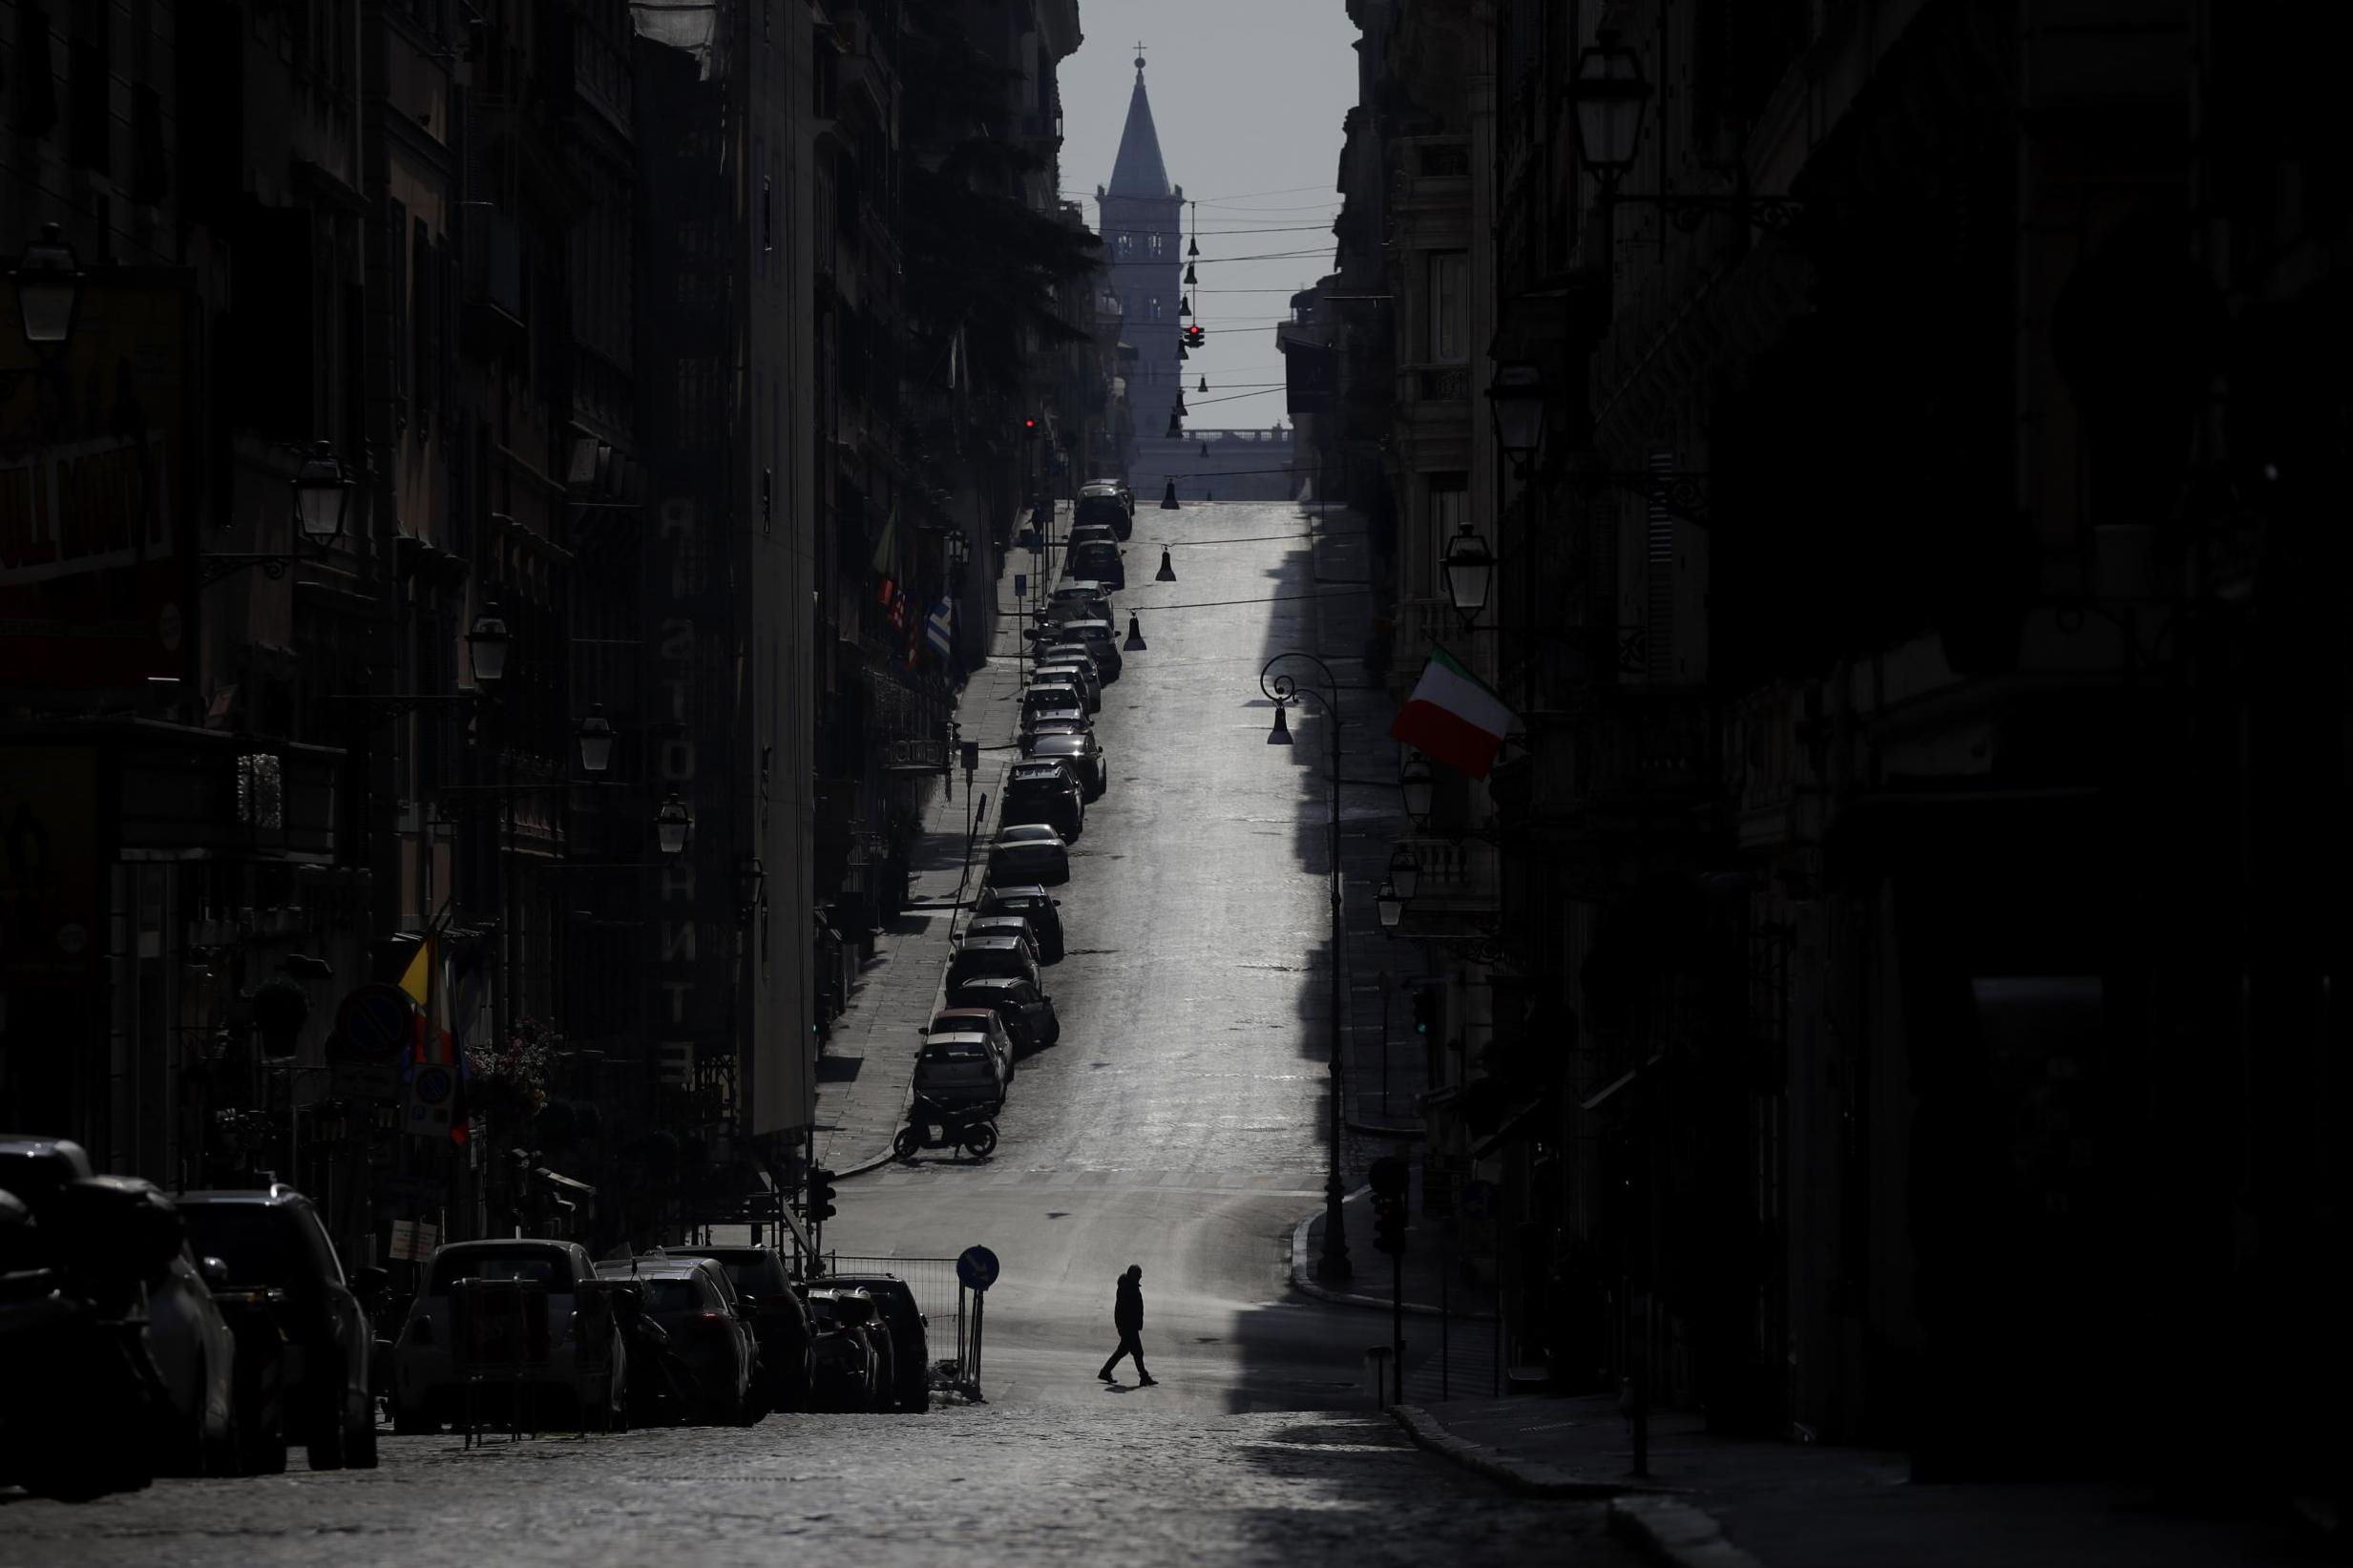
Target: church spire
(1138, 170)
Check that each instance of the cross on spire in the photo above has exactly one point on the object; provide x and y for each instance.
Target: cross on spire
(1139, 59)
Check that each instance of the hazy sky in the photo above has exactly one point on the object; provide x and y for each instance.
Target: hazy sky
(1249, 96)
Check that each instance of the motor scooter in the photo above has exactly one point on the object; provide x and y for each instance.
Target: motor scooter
(931, 1125)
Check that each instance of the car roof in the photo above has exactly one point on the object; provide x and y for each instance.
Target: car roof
(982, 1013)
(1039, 770)
(673, 1267)
(992, 942)
(277, 1192)
(1086, 628)
(1027, 832)
(1077, 588)
(987, 982)
(1018, 889)
(507, 1243)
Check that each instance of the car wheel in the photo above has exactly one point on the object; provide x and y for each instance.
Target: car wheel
(360, 1442)
(323, 1448)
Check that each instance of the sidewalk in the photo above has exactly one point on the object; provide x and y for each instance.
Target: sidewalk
(1729, 1502)
(869, 1061)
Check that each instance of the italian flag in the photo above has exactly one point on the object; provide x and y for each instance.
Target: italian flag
(1453, 717)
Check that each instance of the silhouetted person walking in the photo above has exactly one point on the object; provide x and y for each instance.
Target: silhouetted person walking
(1128, 1317)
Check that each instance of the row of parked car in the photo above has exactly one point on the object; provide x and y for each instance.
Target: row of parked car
(145, 1334)
(997, 1009)
(713, 1335)
(206, 1332)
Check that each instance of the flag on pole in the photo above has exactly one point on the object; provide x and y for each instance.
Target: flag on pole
(417, 979)
(941, 628)
(885, 549)
(1453, 717)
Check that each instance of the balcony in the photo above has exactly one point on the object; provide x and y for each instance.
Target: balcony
(1457, 878)
(1628, 748)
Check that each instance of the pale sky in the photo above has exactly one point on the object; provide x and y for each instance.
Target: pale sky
(1249, 96)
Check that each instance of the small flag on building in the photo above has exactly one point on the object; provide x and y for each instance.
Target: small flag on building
(1453, 717)
(940, 629)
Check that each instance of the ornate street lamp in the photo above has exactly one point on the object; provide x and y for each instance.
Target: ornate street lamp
(751, 877)
(596, 738)
(1610, 95)
(49, 285)
(1418, 784)
(1468, 570)
(489, 640)
(1167, 568)
(321, 494)
(1404, 873)
(1516, 403)
(1389, 905)
(671, 825)
(1280, 734)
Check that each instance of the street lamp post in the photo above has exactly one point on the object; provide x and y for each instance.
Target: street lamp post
(1284, 689)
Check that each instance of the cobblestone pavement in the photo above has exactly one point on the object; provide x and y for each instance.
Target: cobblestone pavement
(1035, 1485)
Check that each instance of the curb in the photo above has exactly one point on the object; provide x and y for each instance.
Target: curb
(1673, 1533)
(1303, 1280)
(1526, 1477)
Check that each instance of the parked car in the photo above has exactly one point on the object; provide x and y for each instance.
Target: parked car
(194, 1353)
(1079, 591)
(1030, 852)
(1049, 688)
(709, 1328)
(1041, 909)
(1081, 670)
(1026, 1012)
(983, 1021)
(993, 955)
(779, 1319)
(858, 1308)
(1101, 641)
(848, 1365)
(1047, 792)
(1058, 700)
(270, 1239)
(1105, 503)
(910, 1351)
(1086, 533)
(1098, 559)
(426, 1388)
(1056, 645)
(1081, 750)
(1006, 925)
(958, 1073)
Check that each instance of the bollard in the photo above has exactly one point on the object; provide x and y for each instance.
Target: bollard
(1376, 1373)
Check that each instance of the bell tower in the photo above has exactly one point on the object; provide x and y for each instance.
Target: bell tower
(1140, 217)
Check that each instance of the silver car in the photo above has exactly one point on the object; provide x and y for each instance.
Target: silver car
(1029, 852)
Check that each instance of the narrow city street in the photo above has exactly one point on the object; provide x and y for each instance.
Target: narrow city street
(1177, 1126)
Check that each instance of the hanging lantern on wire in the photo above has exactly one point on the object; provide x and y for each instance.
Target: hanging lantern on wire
(1189, 279)
(1185, 305)
(1176, 431)
(1204, 387)
(1180, 403)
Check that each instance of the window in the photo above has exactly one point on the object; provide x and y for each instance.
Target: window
(1450, 508)
(1151, 308)
(1159, 245)
(261, 794)
(1123, 244)
(1450, 273)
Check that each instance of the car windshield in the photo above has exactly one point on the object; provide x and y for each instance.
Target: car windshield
(961, 1048)
(756, 1273)
(1028, 833)
(549, 1269)
(257, 1241)
(1062, 746)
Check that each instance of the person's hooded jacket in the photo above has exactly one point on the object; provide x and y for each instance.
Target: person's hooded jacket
(1127, 1306)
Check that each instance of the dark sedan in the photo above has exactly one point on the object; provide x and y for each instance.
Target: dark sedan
(1081, 750)
(1041, 909)
(779, 1319)
(910, 1379)
(272, 1244)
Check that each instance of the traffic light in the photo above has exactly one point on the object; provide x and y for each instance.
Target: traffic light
(1425, 1014)
(1192, 336)
(1029, 428)
(820, 1195)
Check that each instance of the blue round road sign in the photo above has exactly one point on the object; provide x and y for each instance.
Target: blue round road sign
(375, 1023)
(1478, 1200)
(977, 1267)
